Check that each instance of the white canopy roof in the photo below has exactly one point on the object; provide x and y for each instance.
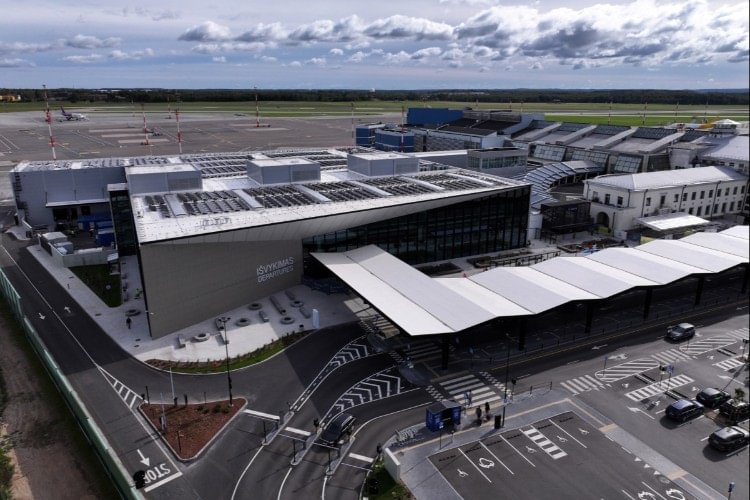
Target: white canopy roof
(671, 221)
(421, 305)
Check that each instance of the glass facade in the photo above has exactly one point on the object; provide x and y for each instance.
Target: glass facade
(489, 224)
(122, 218)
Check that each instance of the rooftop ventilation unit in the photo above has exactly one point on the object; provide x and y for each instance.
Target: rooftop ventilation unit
(382, 164)
(283, 170)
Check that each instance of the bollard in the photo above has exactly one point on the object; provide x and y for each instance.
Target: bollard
(185, 399)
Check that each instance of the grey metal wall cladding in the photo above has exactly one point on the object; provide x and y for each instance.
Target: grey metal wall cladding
(188, 284)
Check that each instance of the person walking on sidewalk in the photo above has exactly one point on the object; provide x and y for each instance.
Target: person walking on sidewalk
(128, 321)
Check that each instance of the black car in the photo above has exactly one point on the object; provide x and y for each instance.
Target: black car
(682, 331)
(341, 423)
(684, 409)
(711, 397)
(729, 438)
(735, 410)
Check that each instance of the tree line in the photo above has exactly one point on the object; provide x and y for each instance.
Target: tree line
(158, 95)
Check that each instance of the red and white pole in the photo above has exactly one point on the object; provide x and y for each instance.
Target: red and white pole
(145, 128)
(257, 109)
(48, 119)
(179, 134)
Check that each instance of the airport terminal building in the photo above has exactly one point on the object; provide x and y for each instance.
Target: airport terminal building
(217, 231)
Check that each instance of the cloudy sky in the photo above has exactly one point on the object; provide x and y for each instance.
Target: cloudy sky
(387, 44)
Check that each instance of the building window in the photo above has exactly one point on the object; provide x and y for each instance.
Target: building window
(690, 210)
(711, 193)
(648, 201)
(716, 208)
(676, 197)
(698, 212)
(724, 207)
(606, 199)
(731, 207)
(595, 196)
(726, 192)
(619, 201)
(692, 197)
(662, 200)
(703, 194)
(708, 209)
(735, 190)
(684, 196)
(742, 190)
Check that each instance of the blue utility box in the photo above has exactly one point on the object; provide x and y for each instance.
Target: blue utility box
(443, 414)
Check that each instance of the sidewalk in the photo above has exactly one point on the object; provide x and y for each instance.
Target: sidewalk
(135, 340)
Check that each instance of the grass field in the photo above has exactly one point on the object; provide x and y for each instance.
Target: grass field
(621, 114)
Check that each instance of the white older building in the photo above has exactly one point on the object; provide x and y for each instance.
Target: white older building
(618, 200)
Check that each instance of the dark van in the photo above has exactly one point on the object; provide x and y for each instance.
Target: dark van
(341, 423)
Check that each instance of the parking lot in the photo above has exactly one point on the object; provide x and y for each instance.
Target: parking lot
(558, 457)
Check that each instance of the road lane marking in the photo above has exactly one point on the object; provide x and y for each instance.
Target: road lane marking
(301, 432)
(281, 488)
(361, 457)
(262, 415)
(475, 465)
(162, 482)
(655, 492)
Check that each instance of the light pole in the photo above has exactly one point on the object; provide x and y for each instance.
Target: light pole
(224, 320)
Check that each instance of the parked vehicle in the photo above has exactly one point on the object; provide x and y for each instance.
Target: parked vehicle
(684, 409)
(711, 397)
(735, 410)
(729, 438)
(683, 331)
(336, 428)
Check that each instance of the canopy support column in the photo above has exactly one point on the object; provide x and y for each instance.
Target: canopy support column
(647, 302)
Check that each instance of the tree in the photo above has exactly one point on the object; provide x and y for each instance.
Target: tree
(739, 394)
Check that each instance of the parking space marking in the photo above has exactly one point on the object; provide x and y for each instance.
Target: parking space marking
(495, 457)
(544, 443)
(475, 465)
(566, 432)
(516, 450)
(658, 387)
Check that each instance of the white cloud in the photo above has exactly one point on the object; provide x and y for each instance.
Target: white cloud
(91, 42)
(398, 26)
(89, 59)
(219, 59)
(426, 53)
(14, 62)
(136, 55)
(24, 48)
(316, 61)
(208, 31)
(336, 52)
(536, 65)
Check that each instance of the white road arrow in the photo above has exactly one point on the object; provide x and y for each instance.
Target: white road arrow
(619, 357)
(643, 495)
(597, 347)
(144, 460)
(725, 377)
(41, 316)
(676, 494)
(637, 410)
(67, 309)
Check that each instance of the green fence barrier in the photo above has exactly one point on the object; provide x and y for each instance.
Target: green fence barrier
(112, 464)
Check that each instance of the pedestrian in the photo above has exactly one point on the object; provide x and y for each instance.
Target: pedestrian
(487, 410)
(128, 321)
(479, 415)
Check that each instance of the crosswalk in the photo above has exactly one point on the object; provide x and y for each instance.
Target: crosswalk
(544, 443)
(729, 364)
(416, 352)
(739, 333)
(624, 370)
(128, 396)
(703, 345)
(479, 390)
(582, 384)
(671, 356)
(658, 387)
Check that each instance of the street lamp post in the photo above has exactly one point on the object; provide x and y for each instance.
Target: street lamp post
(224, 320)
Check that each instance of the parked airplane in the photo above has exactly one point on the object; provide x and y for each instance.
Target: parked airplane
(73, 116)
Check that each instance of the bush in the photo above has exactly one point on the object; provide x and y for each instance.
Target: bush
(216, 408)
